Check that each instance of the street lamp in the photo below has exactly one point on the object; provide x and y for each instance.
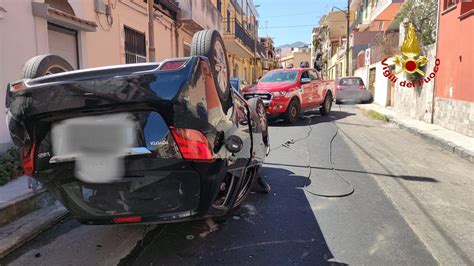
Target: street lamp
(348, 14)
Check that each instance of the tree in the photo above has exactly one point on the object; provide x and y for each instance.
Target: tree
(423, 14)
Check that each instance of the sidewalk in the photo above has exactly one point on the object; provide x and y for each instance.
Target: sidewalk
(452, 141)
(25, 213)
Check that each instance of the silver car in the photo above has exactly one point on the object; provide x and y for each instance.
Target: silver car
(352, 89)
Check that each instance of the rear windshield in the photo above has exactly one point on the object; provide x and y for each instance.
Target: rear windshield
(280, 76)
(351, 81)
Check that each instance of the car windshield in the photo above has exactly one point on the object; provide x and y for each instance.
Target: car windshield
(350, 81)
(280, 76)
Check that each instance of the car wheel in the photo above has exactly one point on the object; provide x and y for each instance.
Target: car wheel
(43, 65)
(209, 43)
(259, 107)
(293, 112)
(327, 104)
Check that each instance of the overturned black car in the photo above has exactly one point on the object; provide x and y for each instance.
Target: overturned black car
(140, 143)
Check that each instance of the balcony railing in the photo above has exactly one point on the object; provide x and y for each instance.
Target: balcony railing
(261, 49)
(233, 28)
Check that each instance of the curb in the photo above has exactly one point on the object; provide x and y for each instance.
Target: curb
(17, 233)
(447, 145)
(23, 205)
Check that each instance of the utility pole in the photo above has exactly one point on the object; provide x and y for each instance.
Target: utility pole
(151, 31)
(348, 17)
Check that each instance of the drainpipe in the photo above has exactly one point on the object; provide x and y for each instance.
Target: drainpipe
(348, 17)
(151, 31)
(177, 27)
(436, 56)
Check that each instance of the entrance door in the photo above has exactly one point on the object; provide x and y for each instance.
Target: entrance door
(372, 81)
(63, 42)
(391, 87)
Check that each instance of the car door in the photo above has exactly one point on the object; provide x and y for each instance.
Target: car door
(318, 87)
(306, 90)
(241, 129)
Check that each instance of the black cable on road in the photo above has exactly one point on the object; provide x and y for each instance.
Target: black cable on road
(287, 144)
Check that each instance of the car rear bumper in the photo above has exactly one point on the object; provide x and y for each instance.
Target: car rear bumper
(154, 197)
(353, 96)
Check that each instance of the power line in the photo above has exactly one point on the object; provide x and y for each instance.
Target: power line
(291, 26)
(289, 15)
(295, 26)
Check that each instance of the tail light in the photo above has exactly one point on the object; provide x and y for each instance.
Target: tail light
(17, 86)
(338, 87)
(362, 87)
(28, 159)
(128, 219)
(192, 144)
(172, 65)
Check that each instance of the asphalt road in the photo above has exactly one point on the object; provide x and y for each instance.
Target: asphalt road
(378, 213)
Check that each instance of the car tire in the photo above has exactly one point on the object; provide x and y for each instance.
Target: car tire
(258, 106)
(43, 65)
(209, 43)
(292, 112)
(327, 104)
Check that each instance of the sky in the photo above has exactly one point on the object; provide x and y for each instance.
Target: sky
(289, 21)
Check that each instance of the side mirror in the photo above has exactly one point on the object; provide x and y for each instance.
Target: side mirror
(234, 144)
(305, 80)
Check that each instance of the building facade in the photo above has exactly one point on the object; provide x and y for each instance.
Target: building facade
(454, 93)
(240, 32)
(296, 57)
(93, 33)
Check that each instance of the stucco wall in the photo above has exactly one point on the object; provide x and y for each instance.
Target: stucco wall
(106, 46)
(16, 49)
(456, 52)
(417, 102)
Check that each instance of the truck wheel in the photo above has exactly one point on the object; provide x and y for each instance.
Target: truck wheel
(43, 65)
(293, 112)
(327, 104)
(257, 105)
(209, 43)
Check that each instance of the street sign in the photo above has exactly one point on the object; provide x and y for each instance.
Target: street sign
(367, 56)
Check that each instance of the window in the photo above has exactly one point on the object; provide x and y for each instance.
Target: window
(448, 4)
(305, 75)
(135, 47)
(228, 21)
(313, 75)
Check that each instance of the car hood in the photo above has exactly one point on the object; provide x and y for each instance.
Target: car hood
(269, 87)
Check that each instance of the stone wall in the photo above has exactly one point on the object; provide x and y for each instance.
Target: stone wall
(416, 102)
(455, 115)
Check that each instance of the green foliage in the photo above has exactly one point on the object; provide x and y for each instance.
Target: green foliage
(378, 116)
(423, 15)
(10, 164)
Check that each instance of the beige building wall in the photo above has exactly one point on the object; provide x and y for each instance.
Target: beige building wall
(106, 46)
(16, 49)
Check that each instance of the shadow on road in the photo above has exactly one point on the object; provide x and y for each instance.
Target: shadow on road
(268, 229)
(311, 118)
(405, 177)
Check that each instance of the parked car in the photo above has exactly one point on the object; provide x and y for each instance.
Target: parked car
(140, 143)
(288, 92)
(352, 89)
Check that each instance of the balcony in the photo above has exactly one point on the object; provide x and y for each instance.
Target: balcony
(237, 40)
(385, 10)
(198, 15)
